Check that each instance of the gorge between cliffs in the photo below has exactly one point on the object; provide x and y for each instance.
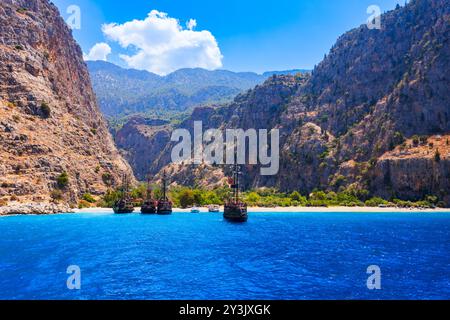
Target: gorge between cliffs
(371, 120)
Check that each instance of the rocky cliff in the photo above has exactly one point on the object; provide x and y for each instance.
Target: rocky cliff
(414, 170)
(54, 144)
(339, 127)
(140, 139)
(375, 89)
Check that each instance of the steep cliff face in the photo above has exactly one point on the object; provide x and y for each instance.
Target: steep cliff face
(378, 82)
(375, 89)
(415, 169)
(49, 121)
(139, 139)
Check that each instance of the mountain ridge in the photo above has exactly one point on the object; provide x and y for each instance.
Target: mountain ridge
(124, 92)
(96, 65)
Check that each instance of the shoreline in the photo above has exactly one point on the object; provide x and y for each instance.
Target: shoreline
(46, 209)
(294, 210)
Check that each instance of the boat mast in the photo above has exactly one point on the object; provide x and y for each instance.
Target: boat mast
(237, 182)
(236, 172)
(164, 185)
(123, 187)
(149, 190)
(127, 187)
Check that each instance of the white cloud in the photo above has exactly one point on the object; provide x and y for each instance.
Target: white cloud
(191, 24)
(100, 51)
(162, 45)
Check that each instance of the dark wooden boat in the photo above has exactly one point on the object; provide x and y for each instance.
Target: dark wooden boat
(150, 205)
(235, 210)
(125, 204)
(164, 204)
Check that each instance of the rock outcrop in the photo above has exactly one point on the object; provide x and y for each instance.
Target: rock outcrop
(414, 170)
(35, 208)
(54, 144)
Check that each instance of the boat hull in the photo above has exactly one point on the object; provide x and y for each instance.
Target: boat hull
(236, 213)
(123, 207)
(149, 210)
(123, 210)
(149, 207)
(164, 208)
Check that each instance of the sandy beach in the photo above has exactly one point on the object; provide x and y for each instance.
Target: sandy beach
(292, 209)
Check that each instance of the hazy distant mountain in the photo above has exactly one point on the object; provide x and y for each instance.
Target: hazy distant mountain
(122, 92)
(292, 72)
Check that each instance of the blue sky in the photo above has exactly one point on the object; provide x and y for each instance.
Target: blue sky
(252, 35)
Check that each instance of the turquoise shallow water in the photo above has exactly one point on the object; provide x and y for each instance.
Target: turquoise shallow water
(201, 256)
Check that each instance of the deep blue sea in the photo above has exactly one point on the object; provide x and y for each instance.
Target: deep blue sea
(201, 256)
